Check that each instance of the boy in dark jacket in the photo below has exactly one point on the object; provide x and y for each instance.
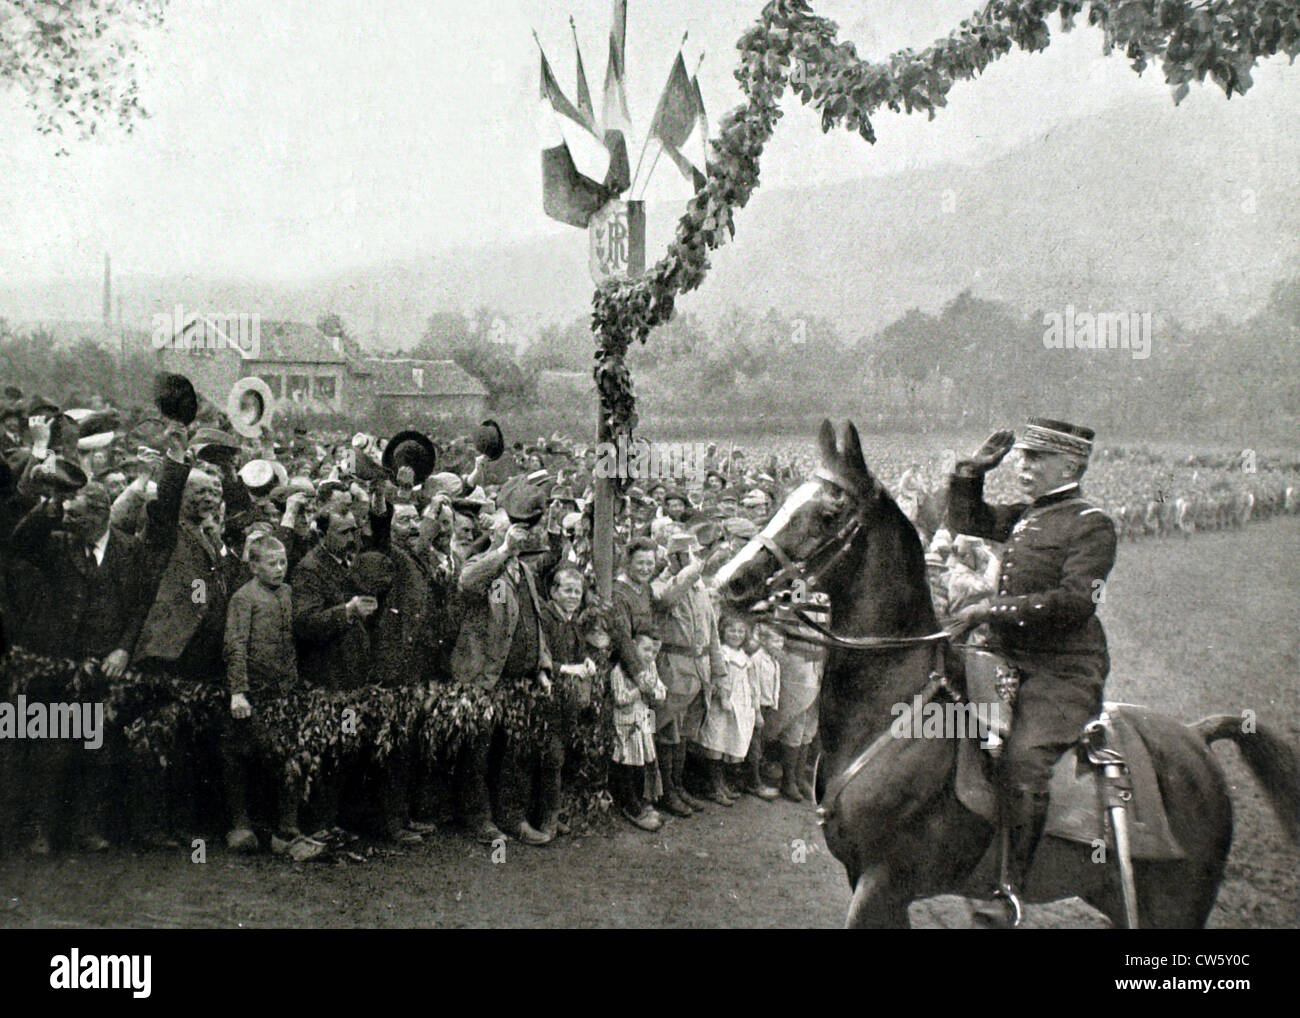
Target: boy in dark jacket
(261, 668)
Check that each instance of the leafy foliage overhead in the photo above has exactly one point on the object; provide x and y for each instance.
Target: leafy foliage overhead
(790, 45)
(75, 60)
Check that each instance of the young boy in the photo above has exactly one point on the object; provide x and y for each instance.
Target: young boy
(635, 774)
(261, 667)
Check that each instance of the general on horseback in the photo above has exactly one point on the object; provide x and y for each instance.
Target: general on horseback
(1059, 551)
(915, 815)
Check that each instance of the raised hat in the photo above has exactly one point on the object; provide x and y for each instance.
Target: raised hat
(444, 483)
(58, 474)
(1043, 434)
(99, 440)
(40, 406)
(213, 444)
(683, 540)
(489, 441)
(250, 406)
(473, 503)
(259, 476)
(175, 397)
(96, 422)
(412, 449)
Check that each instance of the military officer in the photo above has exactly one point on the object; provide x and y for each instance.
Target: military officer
(1059, 550)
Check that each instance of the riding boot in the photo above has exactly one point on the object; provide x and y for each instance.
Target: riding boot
(790, 757)
(1023, 813)
(679, 779)
(671, 801)
(804, 777)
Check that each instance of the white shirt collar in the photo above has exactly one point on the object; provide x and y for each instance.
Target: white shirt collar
(101, 546)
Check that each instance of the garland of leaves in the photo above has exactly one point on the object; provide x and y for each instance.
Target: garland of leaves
(316, 731)
(791, 45)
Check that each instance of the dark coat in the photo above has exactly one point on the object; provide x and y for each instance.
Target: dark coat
(185, 624)
(333, 650)
(81, 609)
(1059, 551)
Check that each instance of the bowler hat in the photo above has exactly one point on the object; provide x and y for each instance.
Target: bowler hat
(40, 406)
(489, 441)
(175, 397)
(213, 444)
(411, 449)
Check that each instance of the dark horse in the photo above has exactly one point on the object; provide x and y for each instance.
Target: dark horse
(893, 818)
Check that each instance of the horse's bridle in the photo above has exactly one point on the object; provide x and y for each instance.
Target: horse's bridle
(834, 548)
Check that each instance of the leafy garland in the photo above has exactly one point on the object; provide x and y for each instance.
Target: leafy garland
(791, 45)
(315, 731)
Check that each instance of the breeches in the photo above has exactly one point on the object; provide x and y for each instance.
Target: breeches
(1059, 694)
(679, 718)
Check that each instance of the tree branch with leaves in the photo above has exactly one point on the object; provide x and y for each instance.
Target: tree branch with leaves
(791, 46)
(76, 62)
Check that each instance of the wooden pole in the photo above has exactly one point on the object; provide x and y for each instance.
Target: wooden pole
(602, 521)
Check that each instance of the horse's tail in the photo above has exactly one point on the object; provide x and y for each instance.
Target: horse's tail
(1270, 759)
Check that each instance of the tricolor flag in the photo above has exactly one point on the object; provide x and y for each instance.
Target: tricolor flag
(585, 108)
(614, 118)
(681, 125)
(573, 158)
(585, 146)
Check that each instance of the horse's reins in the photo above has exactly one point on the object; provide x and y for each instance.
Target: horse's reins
(839, 544)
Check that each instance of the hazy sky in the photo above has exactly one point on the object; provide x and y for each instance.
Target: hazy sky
(296, 137)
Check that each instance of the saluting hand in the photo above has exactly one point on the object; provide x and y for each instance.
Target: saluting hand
(993, 451)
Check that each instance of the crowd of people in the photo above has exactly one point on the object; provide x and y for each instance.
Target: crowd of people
(306, 632)
(155, 564)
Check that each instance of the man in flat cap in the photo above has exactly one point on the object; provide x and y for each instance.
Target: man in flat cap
(1059, 551)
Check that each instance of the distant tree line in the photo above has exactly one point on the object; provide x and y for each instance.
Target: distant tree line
(974, 362)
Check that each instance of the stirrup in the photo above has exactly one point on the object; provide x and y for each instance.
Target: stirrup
(1015, 912)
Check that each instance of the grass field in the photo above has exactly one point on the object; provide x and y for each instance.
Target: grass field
(1197, 627)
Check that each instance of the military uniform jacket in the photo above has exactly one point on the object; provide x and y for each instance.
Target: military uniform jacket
(1059, 551)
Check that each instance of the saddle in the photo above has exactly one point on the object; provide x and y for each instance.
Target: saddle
(1077, 805)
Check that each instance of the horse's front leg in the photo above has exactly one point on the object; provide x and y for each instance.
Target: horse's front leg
(878, 903)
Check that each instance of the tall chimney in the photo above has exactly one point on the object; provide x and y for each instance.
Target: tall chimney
(108, 298)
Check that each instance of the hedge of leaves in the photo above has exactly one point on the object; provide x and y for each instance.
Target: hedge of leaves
(792, 46)
(316, 731)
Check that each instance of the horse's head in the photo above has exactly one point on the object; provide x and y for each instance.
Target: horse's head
(836, 531)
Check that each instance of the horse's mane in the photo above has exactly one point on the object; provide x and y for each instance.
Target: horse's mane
(913, 555)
